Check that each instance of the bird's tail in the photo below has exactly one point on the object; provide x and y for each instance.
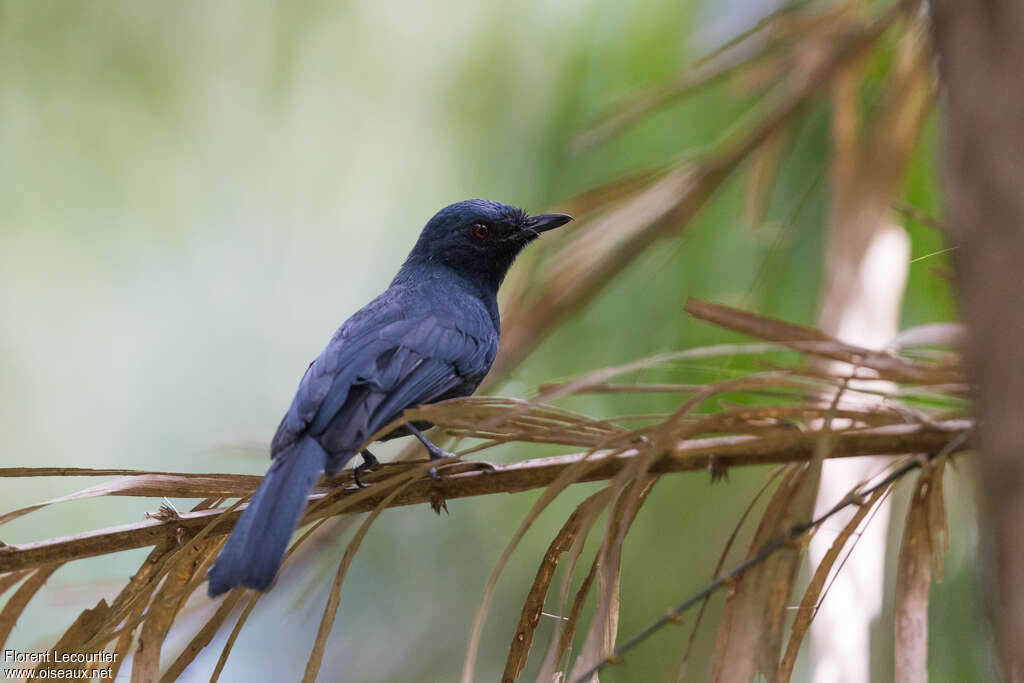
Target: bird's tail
(256, 547)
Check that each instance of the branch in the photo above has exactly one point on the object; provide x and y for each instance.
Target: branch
(696, 454)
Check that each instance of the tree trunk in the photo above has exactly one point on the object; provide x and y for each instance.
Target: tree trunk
(980, 46)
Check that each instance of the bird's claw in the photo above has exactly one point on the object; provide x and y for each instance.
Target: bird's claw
(368, 463)
(439, 453)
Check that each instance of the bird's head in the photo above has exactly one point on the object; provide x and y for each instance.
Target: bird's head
(480, 238)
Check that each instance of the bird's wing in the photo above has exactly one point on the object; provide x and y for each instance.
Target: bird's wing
(429, 358)
(378, 366)
(331, 374)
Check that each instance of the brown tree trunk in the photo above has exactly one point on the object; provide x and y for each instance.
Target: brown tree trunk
(980, 46)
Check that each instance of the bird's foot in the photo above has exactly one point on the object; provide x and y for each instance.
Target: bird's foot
(437, 453)
(433, 450)
(462, 466)
(369, 462)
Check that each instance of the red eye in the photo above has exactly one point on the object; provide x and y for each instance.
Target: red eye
(480, 231)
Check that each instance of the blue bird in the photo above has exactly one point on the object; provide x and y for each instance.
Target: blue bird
(430, 336)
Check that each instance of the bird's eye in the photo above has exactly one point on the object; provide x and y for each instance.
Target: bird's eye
(480, 231)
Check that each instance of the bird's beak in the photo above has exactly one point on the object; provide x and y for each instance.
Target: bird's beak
(547, 221)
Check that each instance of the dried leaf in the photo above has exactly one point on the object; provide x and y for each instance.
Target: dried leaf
(809, 603)
(522, 641)
(88, 623)
(203, 637)
(750, 637)
(561, 646)
(932, 334)
(577, 274)
(914, 576)
(233, 636)
(71, 472)
(164, 608)
(765, 435)
(598, 199)
(567, 477)
(155, 485)
(635, 486)
(718, 569)
(134, 597)
(561, 638)
(10, 578)
(816, 342)
(17, 603)
(192, 559)
(321, 508)
(747, 50)
(599, 377)
(763, 170)
(334, 598)
(124, 643)
(938, 529)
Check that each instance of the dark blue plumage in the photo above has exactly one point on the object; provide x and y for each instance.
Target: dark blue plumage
(432, 335)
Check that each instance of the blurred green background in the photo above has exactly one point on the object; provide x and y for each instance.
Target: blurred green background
(194, 195)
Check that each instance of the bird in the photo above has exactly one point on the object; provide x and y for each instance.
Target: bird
(431, 335)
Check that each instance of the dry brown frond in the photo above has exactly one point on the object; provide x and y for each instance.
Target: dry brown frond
(755, 609)
(522, 641)
(600, 248)
(718, 569)
(920, 547)
(19, 601)
(203, 637)
(556, 659)
(809, 603)
(574, 473)
(10, 579)
(185, 544)
(633, 486)
(334, 598)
